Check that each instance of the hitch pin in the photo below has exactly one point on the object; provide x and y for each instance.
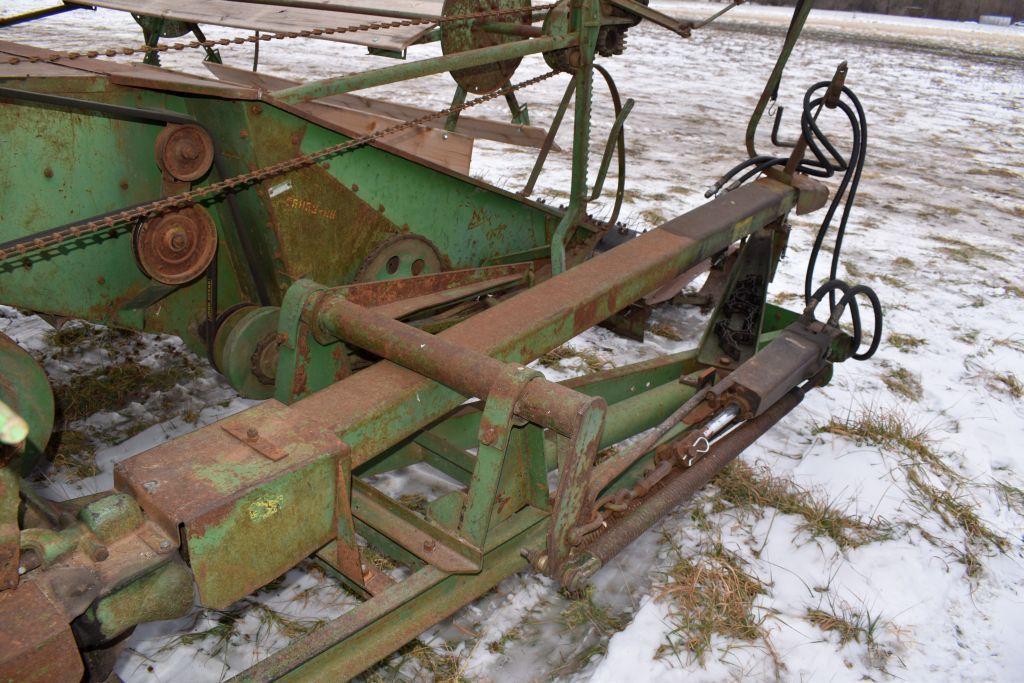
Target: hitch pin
(701, 443)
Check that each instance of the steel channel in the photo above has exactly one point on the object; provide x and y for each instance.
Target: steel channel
(471, 373)
(369, 632)
(420, 68)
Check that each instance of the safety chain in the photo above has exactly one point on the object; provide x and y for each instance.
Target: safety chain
(192, 197)
(263, 37)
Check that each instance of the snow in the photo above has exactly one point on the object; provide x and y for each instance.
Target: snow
(945, 161)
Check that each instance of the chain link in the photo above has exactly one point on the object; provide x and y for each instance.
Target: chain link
(308, 33)
(191, 197)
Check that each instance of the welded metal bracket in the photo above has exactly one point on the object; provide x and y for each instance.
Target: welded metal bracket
(495, 431)
(306, 362)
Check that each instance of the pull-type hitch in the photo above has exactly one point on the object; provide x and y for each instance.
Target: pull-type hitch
(232, 506)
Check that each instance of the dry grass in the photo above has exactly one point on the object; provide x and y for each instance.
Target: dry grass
(903, 382)
(852, 625)
(906, 342)
(73, 451)
(653, 217)
(415, 502)
(710, 594)
(1003, 382)
(665, 330)
(114, 387)
(933, 485)
(903, 262)
(747, 488)
(591, 361)
(962, 251)
(889, 429)
(438, 664)
(554, 357)
(1006, 383)
(588, 625)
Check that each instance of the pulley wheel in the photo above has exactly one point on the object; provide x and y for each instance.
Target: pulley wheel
(246, 350)
(175, 248)
(401, 256)
(459, 36)
(184, 152)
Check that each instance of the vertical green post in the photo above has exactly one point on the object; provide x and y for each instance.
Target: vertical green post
(586, 22)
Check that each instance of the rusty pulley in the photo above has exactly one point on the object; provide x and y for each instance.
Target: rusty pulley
(184, 152)
(176, 247)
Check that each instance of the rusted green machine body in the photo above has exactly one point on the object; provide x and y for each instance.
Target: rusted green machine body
(367, 291)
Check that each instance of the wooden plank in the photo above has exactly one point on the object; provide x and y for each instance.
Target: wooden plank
(134, 74)
(268, 18)
(412, 7)
(450, 150)
(512, 134)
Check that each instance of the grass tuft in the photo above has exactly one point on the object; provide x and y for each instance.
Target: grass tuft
(852, 625)
(746, 487)
(933, 485)
(906, 342)
(903, 382)
(73, 451)
(665, 330)
(708, 595)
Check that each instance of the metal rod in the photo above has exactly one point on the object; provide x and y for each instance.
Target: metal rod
(512, 29)
(468, 372)
(610, 470)
(361, 408)
(771, 87)
(37, 14)
(420, 68)
(549, 141)
(337, 630)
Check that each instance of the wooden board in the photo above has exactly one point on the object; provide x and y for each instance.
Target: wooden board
(450, 150)
(512, 134)
(120, 73)
(268, 18)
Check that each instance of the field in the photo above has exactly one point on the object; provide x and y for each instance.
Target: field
(877, 533)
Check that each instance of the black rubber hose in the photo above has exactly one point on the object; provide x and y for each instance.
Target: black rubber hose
(829, 288)
(849, 297)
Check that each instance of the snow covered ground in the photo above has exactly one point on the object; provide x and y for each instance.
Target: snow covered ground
(922, 446)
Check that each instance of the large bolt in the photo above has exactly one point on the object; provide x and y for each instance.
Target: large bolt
(188, 151)
(176, 239)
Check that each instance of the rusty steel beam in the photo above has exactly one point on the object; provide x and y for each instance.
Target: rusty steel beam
(379, 406)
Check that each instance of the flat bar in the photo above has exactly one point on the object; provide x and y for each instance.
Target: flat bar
(420, 68)
(36, 14)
